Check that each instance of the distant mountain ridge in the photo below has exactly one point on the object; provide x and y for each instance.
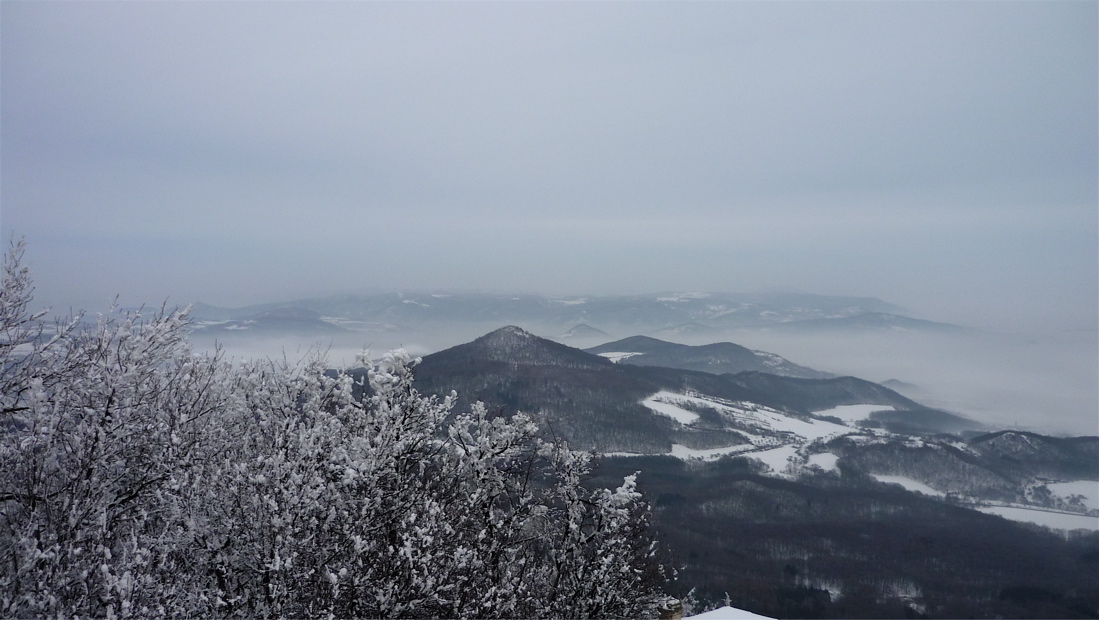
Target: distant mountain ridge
(277, 320)
(870, 321)
(657, 313)
(718, 358)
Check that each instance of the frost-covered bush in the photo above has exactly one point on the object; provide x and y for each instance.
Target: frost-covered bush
(137, 478)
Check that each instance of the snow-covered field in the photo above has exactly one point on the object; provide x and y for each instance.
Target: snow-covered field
(1088, 488)
(664, 403)
(778, 459)
(909, 484)
(853, 413)
(1048, 518)
(825, 460)
(618, 356)
(765, 421)
(775, 437)
(685, 453)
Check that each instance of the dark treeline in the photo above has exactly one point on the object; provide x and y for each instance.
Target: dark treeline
(826, 547)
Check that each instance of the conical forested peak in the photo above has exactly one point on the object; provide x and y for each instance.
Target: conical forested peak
(516, 345)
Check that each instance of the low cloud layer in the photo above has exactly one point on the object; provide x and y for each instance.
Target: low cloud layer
(938, 155)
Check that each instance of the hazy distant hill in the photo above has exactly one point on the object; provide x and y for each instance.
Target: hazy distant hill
(275, 321)
(657, 313)
(583, 331)
(869, 322)
(717, 358)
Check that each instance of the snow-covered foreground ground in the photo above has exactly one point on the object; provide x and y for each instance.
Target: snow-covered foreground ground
(1048, 518)
(728, 613)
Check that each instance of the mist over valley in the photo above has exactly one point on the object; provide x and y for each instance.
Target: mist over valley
(1039, 382)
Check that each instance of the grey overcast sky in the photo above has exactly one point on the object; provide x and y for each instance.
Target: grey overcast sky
(939, 155)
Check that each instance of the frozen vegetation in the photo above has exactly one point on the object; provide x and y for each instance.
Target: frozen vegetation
(138, 479)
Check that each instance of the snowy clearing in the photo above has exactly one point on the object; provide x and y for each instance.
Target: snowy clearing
(618, 356)
(810, 430)
(825, 460)
(685, 453)
(664, 403)
(909, 484)
(1088, 488)
(778, 459)
(1048, 518)
(853, 413)
(765, 420)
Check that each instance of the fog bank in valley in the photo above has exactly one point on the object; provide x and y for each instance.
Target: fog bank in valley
(1044, 383)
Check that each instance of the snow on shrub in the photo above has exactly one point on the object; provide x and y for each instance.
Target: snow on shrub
(140, 479)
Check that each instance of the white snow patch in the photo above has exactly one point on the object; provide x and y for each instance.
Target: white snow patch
(1088, 488)
(571, 302)
(1049, 518)
(767, 422)
(618, 356)
(909, 484)
(853, 413)
(835, 591)
(825, 460)
(769, 359)
(663, 402)
(778, 459)
(963, 447)
(728, 613)
(341, 321)
(682, 297)
(685, 453)
(624, 454)
(811, 430)
(869, 437)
